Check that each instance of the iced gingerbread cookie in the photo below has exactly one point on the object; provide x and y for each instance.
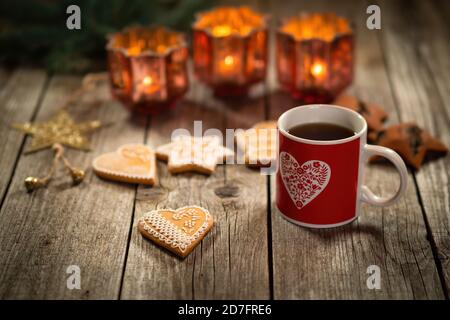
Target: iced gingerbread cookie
(259, 144)
(198, 154)
(179, 231)
(132, 163)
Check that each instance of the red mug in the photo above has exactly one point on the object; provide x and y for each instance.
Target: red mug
(319, 183)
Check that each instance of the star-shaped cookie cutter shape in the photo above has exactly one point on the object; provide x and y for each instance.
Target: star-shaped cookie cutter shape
(412, 143)
(59, 129)
(190, 153)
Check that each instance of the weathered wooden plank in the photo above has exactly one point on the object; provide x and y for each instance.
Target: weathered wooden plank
(231, 261)
(151, 272)
(19, 97)
(247, 212)
(417, 51)
(44, 232)
(332, 263)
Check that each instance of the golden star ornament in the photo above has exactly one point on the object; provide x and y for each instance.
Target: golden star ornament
(59, 129)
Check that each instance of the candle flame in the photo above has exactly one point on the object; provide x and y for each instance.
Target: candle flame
(229, 61)
(317, 69)
(147, 81)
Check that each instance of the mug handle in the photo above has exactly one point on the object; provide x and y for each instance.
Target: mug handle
(367, 195)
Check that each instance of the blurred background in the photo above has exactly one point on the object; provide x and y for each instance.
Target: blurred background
(34, 31)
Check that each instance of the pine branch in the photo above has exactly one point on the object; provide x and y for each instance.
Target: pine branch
(35, 30)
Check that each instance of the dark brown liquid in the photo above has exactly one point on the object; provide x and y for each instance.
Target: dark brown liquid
(321, 131)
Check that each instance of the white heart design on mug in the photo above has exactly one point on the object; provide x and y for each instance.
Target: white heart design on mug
(303, 182)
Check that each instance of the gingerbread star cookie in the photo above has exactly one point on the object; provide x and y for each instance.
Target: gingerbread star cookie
(132, 163)
(412, 143)
(259, 144)
(179, 231)
(373, 114)
(198, 154)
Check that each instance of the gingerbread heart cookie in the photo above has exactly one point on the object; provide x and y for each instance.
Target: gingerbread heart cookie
(132, 163)
(179, 231)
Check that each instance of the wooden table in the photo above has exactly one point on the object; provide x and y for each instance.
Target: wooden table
(251, 252)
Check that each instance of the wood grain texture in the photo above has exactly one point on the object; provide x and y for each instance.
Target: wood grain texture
(251, 252)
(416, 50)
(248, 210)
(44, 232)
(19, 98)
(232, 260)
(332, 264)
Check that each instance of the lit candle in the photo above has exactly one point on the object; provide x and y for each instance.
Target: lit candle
(147, 67)
(317, 70)
(150, 86)
(315, 56)
(229, 61)
(230, 49)
(318, 73)
(147, 81)
(226, 66)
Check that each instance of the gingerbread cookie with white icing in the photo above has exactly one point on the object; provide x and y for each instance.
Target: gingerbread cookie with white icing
(132, 163)
(198, 154)
(179, 231)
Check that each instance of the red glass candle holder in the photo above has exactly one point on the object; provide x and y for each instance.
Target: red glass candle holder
(230, 49)
(315, 56)
(147, 68)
